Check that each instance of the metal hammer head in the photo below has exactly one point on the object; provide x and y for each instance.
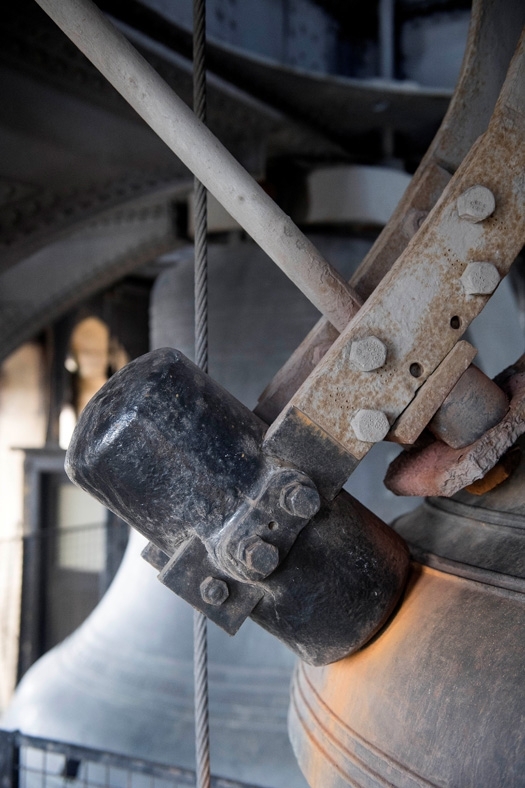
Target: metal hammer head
(180, 459)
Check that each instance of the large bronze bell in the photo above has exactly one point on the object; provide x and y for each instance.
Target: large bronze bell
(437, 698)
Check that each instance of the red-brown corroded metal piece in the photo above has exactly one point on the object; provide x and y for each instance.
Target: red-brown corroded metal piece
(502, 471)
(438, 469)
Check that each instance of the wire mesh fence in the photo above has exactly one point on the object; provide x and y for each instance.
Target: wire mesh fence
(32, 762)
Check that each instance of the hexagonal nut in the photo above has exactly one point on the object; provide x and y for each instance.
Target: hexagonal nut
(214, 591)
(259, 556)
(367, 354)
(370, 426)
(476, 204)
(480, 278)
(300, 500)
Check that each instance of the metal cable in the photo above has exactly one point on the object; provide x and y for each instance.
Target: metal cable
(200, 672)
(200, 207)
(200, 634)
(201, 276)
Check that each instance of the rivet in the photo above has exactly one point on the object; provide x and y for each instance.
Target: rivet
(480, 278)
(214, 591)
(370, 426)
(259, 556)
(367, 354)
(476, 204)
(300, 500)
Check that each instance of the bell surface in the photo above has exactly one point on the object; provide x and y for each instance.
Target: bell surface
(437, 698)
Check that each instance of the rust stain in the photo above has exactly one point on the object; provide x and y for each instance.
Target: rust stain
(438, 469)
(415, 418)
(420, 308)
(502, 471)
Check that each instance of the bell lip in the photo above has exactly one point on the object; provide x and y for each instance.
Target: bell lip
(465, 540)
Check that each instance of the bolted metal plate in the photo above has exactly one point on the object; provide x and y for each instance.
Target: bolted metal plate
(420, 309)
(189, 567)
(484, 69)
(155, 556)
(299, 440)
(415, 418)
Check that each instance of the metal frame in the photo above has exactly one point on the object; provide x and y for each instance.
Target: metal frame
(422, 306)
(14, 746)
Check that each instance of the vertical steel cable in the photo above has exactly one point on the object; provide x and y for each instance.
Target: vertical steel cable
(200, 644)
(200, 208)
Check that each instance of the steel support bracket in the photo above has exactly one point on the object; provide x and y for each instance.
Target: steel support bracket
(190, 572)
(424, 304)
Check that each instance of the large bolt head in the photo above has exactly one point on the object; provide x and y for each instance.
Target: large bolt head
(370, 426)
(214, 591)
(367, 354)
(300, 500)
(476, 204)
(480, 278)
(259, 556)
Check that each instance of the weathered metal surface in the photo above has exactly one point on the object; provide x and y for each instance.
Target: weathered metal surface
(502, 471)
(431, 702)
(170, 447)
(439, 469)
(437, 698)
(494, 32)
(429, 398)
(487, 536)
(260, 533)
(476, 204)
(295, 371)
(420, 308)
(155, 556)
(422, 194)
(337, 586)
(181, 460)
(303, 443)
(368, 354)
(185, 573)
(473, 406)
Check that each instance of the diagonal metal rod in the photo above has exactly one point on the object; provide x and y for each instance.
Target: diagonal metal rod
(200, 624)
(205, 156)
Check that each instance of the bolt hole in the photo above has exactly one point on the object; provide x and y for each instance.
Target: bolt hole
(272, 526)
(416, 370)
(455, 322)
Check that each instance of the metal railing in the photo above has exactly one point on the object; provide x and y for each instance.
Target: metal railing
(32, 762)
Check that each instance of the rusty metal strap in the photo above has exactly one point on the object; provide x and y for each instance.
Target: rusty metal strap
(435, 289)
(493, 35)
